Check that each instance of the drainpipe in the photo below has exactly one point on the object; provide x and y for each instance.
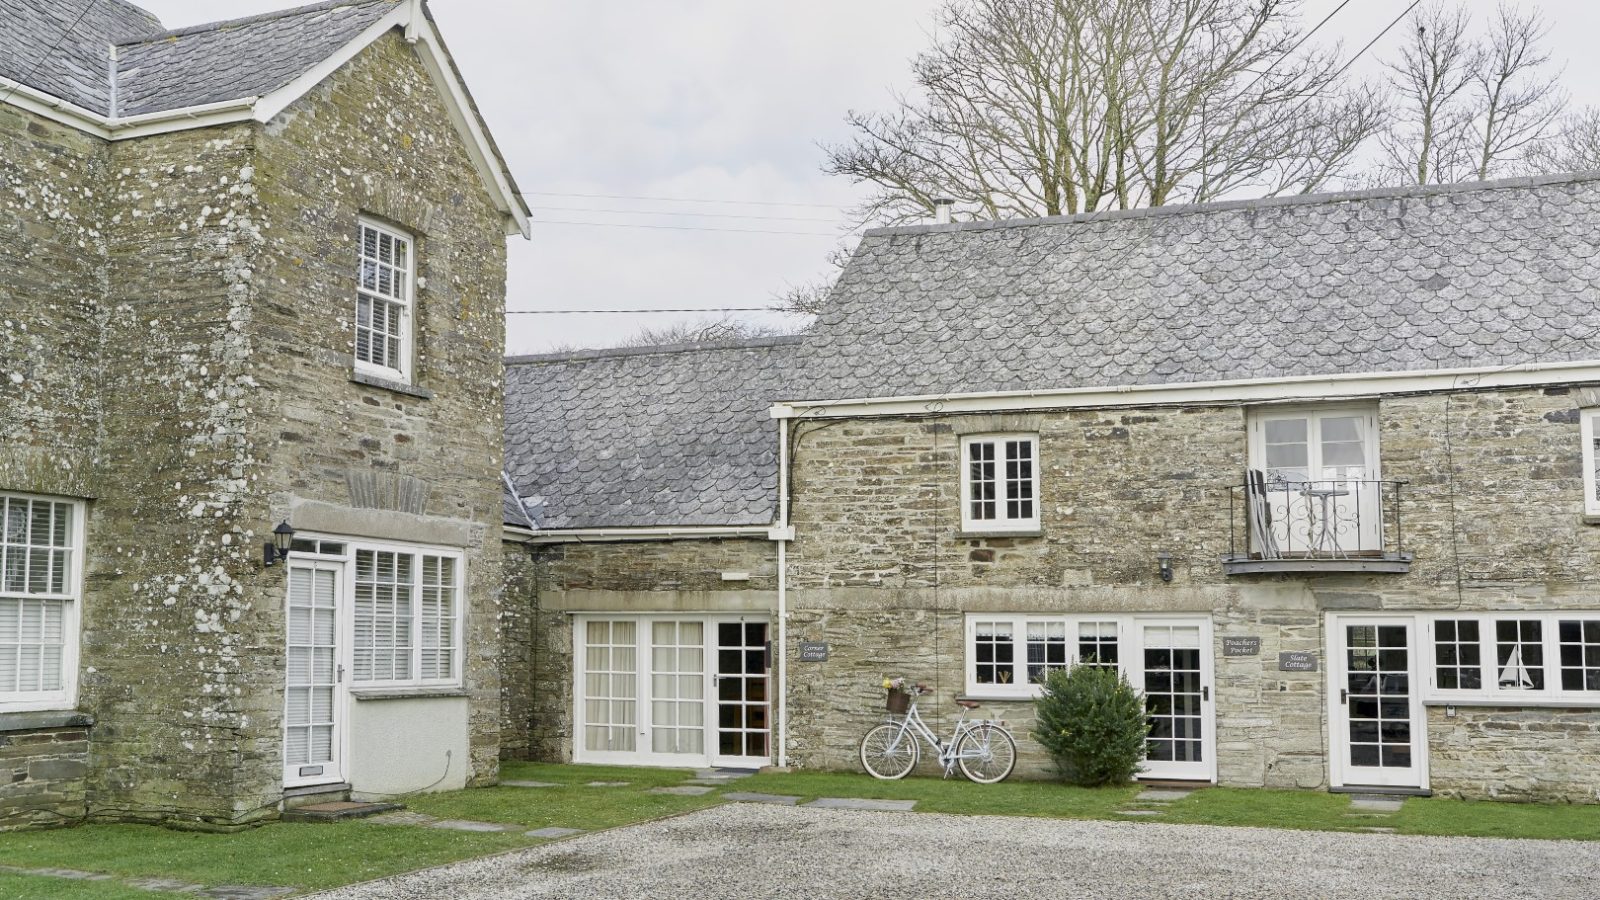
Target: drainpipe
(783, 533)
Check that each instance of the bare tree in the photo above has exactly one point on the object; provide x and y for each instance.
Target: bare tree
(1573, 147)
(700, 332)
(1469, 107)
(1045, 107)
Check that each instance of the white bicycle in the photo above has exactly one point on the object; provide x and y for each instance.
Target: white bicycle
(982, 749)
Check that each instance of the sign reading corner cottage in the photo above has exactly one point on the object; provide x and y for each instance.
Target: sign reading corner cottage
(813, 651)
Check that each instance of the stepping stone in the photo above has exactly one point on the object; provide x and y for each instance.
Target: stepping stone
(858, 803)
(1376, 830)
(552, 833)
(464, 825)
(1139, 812)
(70, 874)
(245, 892)
(170, 885)
(608, 784)
(682, 790)
(529, 784)
(404, 817)
(1375, 804)
(1161, 795)
(710, 782)
(777, 799)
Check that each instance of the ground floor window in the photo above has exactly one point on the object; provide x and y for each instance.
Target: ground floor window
(1526, 658)
(673, 689)
(1012, 655)
(41, 551)
(407, 614)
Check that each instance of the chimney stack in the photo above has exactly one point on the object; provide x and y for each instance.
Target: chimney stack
(941, 210)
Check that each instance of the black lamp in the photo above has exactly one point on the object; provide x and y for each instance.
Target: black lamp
(278, 547)
(1164, 559)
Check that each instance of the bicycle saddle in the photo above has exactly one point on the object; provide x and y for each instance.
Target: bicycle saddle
(968, 704)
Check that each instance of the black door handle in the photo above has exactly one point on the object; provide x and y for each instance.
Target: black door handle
(1205, 692)
(1344, 696)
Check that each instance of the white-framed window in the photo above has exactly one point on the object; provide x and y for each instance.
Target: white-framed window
(1320, 479)
(1591, 479)
(41, 588)
(384, 290)
(406, 617)
(1000, 482)
(1011, 655)
(1513, 658)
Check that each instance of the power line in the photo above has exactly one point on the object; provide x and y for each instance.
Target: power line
(1386, 28)
(681, 228)
(698, 215)
(51, 52)
(679, 199)
(698, 309)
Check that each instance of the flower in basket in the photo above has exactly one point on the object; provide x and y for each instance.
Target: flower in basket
(901, 684)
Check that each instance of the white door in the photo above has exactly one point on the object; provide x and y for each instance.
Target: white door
(1321, 470)
(743, 694)
(1173, 662)
(678, 690)
(1376, 727)
(608, 690)
(313, 696)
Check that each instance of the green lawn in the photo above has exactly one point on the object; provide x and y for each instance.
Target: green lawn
(313, 856)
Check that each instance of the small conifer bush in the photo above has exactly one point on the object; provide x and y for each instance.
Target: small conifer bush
(1093, 723)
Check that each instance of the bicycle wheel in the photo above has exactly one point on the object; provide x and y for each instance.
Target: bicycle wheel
(986, 754)
(889, 752)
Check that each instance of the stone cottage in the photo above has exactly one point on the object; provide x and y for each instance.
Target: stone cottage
(253, 274)
(1316, 474)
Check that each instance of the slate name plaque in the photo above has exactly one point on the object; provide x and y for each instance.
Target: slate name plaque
(1241, 646)
(813, 651)
(1297, 661)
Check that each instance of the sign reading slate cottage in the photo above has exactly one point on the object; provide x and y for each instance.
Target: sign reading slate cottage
(1297, 661)
(1241, 646)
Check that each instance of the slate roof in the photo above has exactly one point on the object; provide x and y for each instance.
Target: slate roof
(1394, 280)
(63, 47)
(653, 436)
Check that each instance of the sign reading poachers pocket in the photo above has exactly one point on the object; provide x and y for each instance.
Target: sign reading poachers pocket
(1241, 646)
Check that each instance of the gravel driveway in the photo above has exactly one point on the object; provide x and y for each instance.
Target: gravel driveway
(743, 851)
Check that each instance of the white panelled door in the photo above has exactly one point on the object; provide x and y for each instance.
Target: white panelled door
(1376, 725)
(1172, 666)
(313, 703)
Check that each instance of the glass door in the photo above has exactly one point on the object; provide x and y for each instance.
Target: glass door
(608, 690)
(1174, 672)
(678, 689)
(1321, 478)
(1377, 713)
(313, 707)
(743, 736)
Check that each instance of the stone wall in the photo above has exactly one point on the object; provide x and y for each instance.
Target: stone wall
(880, 570)
(547, 583)
(1514, 754)
(43, 767)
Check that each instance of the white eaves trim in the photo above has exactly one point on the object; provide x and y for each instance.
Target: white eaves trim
(418, 31)
(1255, 390)
(658, 533)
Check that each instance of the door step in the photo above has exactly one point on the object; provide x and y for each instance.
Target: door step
(337, 811)
(315, 793)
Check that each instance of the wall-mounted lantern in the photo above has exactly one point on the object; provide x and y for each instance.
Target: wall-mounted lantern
(278, 548)
(1164, 559)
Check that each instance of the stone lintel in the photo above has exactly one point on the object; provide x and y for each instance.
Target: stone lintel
(329, 518)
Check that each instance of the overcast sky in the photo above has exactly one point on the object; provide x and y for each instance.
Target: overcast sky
(716, 100)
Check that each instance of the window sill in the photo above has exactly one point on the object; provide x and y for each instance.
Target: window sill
(44, 720)
(406, 693)
(1591, 519)
(999, 533)
(1515, 702)
(999, 698)
(389, 384)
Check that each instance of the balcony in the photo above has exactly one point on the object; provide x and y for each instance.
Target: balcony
(1334, 525)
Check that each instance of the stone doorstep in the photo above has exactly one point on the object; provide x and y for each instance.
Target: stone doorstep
(775, 799)
(336, 811)
(724, 773)
(863, 804)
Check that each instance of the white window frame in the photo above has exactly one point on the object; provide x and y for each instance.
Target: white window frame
(407, 303)
(71, 615)
(1491, 694)
(1591, 485)
(458, 655)
(1019, 687)
(1000, 522)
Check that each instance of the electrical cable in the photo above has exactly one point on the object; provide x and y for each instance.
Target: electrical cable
(681, 228)
(678, 199)
(706, 309)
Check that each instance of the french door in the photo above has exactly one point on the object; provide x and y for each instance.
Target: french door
(1376, 723)
(1321, 478)
(672, 690)
(313, 698)
(1172, 665)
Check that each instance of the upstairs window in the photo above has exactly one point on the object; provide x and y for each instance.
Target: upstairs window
(1591, 459)
(1000, 482)
(383, 303)
(41, 546)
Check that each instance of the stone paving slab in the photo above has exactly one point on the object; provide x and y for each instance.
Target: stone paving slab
(552, 832)
(404, 817)
(529, 784)
(607, 784)
(775, 799)
(682, 790)
(465, 825)
(1375, 804)
(859, 803)
(1138, 812)
(1162, 795)
(724, 773)
(151, 883)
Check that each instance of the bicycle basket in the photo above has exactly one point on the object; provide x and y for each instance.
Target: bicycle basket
(899, 702)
